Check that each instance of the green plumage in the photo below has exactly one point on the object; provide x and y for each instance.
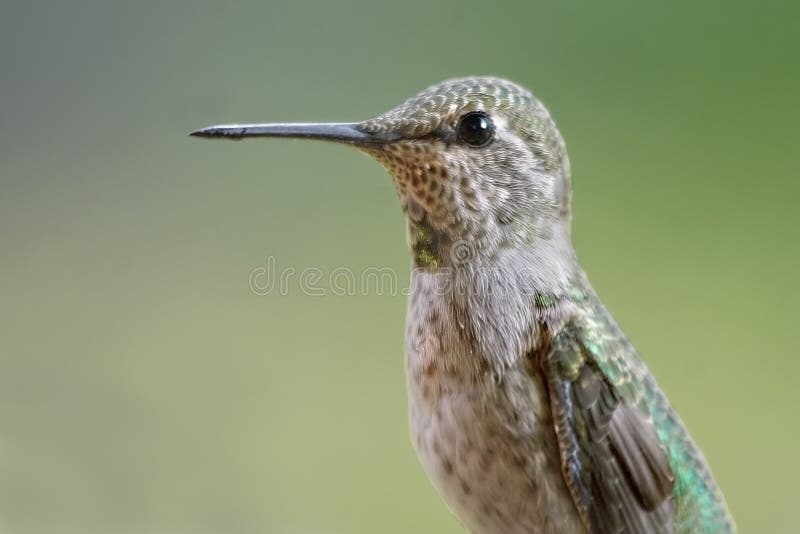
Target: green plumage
(593, 340)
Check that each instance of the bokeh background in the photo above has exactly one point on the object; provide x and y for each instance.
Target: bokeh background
(144, 388)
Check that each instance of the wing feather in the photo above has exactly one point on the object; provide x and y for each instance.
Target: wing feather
(613, 462)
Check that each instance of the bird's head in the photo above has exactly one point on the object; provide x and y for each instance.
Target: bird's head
(473, 159)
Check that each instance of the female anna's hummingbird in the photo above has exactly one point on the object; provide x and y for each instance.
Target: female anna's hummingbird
(529, 408)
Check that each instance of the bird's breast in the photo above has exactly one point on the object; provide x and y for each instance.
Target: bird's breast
(490, 451)
(485, 440)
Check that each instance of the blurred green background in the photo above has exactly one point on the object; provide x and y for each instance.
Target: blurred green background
(145, 389)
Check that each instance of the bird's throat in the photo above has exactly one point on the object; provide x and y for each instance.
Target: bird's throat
(425, 244)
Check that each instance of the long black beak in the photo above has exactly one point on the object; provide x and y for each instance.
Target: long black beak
(341, 132)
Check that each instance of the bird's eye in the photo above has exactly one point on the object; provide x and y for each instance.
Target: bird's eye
(475, 129)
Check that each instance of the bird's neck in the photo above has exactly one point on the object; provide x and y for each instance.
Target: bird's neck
(502, 295)
(428, 246)
(543, 260)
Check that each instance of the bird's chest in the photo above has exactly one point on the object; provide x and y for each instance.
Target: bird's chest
(491, 453)
(486, 442)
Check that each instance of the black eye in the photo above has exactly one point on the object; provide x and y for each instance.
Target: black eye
(476, 128)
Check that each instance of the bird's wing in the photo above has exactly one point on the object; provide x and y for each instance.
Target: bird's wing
(613, 462)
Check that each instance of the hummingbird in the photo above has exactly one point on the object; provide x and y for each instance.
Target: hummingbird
(530, 410)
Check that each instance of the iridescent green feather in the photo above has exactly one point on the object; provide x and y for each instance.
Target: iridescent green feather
(699, 506)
